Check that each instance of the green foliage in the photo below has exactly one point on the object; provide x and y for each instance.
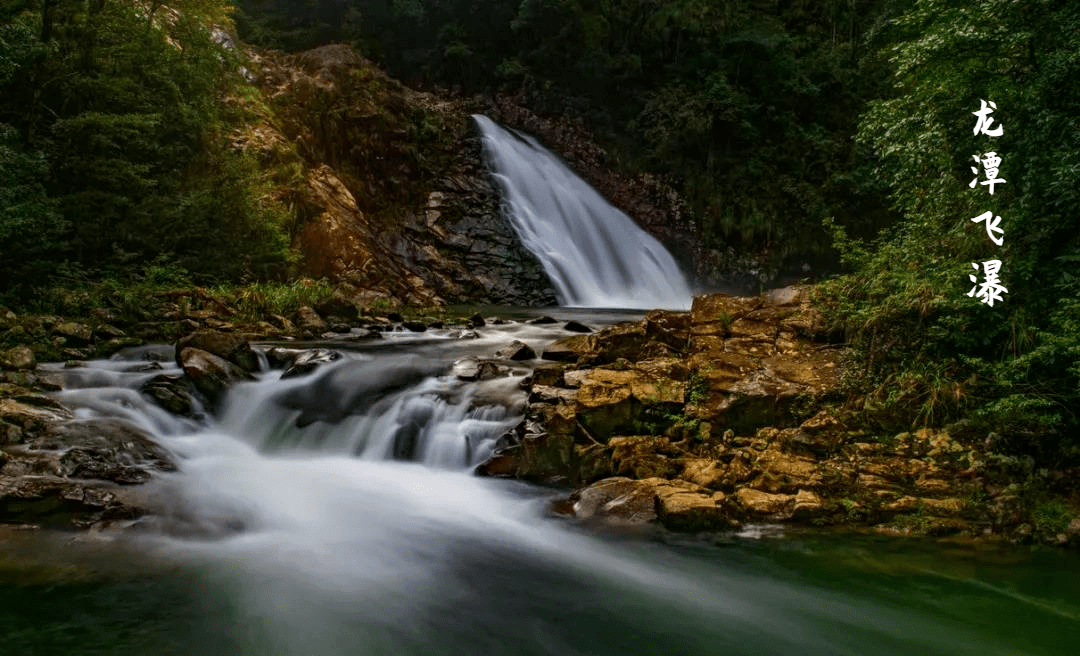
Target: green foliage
(697, 388)
(257, 301)
(1052, 517)
(31, 228)
(747, 108)
(112, 147)
(930, 351)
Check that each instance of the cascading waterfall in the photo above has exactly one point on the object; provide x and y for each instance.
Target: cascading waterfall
(332, 514)
(595, 255)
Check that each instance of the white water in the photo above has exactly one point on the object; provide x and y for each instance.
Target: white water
(321, 545)
(595, 255)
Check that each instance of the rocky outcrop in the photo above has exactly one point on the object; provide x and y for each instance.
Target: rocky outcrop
(59, 472)
(390, 184)
(211, 375)
(227, 346)
(706, 419)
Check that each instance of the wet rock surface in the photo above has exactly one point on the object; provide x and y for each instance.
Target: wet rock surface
(60, 472)
(706, 419)
(446, 240)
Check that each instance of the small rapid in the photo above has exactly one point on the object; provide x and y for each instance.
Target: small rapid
(335, 514)
(594, 254)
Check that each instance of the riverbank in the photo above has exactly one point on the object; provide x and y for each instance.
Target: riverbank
(732, 413)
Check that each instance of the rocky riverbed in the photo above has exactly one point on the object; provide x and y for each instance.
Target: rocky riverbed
(706, 420)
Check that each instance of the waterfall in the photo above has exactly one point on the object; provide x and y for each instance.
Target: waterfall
(595, 255)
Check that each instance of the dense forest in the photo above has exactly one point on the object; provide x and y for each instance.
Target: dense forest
(789, 127)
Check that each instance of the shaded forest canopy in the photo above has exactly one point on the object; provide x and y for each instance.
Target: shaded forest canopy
(776, 120)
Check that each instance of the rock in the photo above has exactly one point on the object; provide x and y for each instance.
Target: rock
(340, 328)
(307, 361)
(622, 341)
(474, 369)
(547, 394)
(20, 420)
(309, 321)
(77, 353)
(338, 305)
(807, 505)
(785, 296)
(577, 327)
(569, 348)
(678, 505)
(516, 350)
(19, 357)
(668, 328)
(762, 503)
(684, 506)
(210, 373)
(542, 321)
(76, 334)
(477, 321)
(642, 456)
(362, 335)
(226, 346)
(548, 373)
(104, 449)
(54, 502)
(707, 473)
(110, 332)
(415, 326)
(171, 393)
(114, 345)
(615, 501)
(784, 472)
(282, 323)
(280, 358)
(467, 334)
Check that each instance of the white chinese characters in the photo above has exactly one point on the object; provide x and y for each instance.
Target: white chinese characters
(992, 226)
(990, 162)
(985, 120)
(990, 289)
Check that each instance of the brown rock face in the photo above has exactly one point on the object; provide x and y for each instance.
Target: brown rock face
(624, 501)
(210, 374)
(653, 407)
(66, 473)
(390, 185)
(227, 346)
(19, 357)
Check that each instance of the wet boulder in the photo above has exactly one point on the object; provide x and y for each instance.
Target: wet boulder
(171, 392)
(568, 349)
(280, 358)
(103, 449)
(676, 504)
(516, 350)
(26, 416)
(471, 369)
(577, 327)
(210, 374)
(307, 361)
(309, 321)
(226, 346)
(19, 357)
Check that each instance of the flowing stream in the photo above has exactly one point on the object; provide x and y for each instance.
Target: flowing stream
(595, 255)
(336, 514)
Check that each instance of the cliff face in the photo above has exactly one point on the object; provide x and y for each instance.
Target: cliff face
(391, 193)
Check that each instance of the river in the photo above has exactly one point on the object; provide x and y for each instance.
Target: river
(336, 514)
